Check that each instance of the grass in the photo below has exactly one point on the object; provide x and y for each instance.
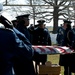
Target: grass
(55, 60)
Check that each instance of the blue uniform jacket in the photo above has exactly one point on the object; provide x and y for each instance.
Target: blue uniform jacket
(25, 31)
(23, 66)
(11, 46)
(41, 37)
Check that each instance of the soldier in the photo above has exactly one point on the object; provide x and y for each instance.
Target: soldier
(41, 36)
(60, 34)
(65, 59)
(13, 49)
(14, 23)
(21, 66)
(73, 29)
(73, 54)
(73, 42)
(23, 22)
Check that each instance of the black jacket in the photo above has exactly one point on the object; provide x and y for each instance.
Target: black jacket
(41, 37)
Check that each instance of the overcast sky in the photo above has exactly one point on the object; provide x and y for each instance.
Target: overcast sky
(9, 17)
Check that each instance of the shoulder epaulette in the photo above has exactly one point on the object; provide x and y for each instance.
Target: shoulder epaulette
(8, 29)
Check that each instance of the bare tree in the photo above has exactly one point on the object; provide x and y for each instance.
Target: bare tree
(59, 8)
(44, 9)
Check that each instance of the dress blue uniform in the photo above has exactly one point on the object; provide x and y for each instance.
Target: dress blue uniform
(25, 31)
(73, 54)
(60, 36)
(22, 58)
(22, 65)
(65, 59)
(12, 47)
(21, 26)
(41, 36)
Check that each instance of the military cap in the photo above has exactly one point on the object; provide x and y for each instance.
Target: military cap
(41, 21)
(23, 16)
(14, 21)
(66, 21)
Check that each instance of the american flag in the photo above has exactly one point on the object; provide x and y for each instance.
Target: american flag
(52, 49)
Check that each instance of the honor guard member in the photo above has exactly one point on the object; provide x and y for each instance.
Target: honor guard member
(65, 59)
(73, 54)
(73, 29)
(23, 23)
(73, 42)
(60, 35)
(22, 66)
(13, 48)
(42, 37)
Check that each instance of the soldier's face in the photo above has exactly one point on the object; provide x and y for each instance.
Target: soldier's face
(42, 26)
(65, 25)
(26, 21)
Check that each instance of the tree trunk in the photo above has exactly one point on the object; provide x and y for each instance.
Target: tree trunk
(55, 19)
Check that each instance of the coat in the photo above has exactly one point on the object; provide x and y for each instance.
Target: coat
(41, 37)
(25, 31)
(22, 66)
(60, 35)
(11, 47)
(65, 59)
(73, 54)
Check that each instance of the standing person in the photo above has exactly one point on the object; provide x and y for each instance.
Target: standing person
(23, 22)
(42, 37)
(73, 43)
(13, 48)
(65, 59)
(73, 54)
(14, 23)
(73, 29)
(60, 34)
(21, 66)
